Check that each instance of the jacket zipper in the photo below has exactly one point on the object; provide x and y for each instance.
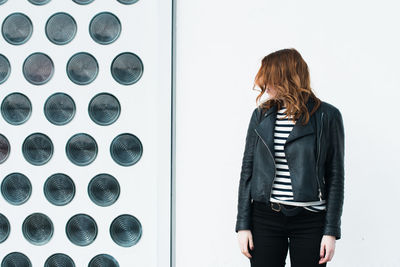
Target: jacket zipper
(273, 160)
(319, 149)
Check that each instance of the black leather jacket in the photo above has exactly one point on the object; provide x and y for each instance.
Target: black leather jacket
(315, 156)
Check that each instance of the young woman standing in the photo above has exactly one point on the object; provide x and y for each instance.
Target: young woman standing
(291, 186)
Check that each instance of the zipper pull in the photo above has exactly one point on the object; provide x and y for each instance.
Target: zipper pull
(320, 194)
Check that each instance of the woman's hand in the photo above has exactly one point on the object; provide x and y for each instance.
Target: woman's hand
(327, 248)
(245, 240)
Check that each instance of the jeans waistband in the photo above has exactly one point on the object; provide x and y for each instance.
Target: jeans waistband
(288, 210)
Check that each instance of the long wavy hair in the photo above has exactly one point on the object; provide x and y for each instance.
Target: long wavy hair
(287, 73)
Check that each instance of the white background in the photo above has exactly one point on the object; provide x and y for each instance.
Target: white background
(352, 50)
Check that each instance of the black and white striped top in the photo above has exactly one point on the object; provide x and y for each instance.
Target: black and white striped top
(282, 187)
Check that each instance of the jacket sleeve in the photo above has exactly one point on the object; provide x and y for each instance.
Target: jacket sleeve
(334, 176)
(244, 199)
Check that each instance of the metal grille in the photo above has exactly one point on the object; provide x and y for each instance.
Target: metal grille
(76, 113)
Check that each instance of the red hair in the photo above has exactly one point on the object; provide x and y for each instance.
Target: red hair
(287, 73)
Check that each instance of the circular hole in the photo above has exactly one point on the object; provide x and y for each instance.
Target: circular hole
(83, 2)
(81, 149)
(2, 1)
(16, 259)
(127, 68)
(104, 109)
(128, 2)
(16, 188)
(17, 28)
(126, 149)
(61, 28)
(59, 108)
(38, 68)
(104, 189)
(59, 189)
(126, 230)
(16, 108)
(105, 28)
(38, 229)
(59, 260)
(4, 228)
(37, 149)
(103, 260)
(81, 229)
(5, 68)
(4, 148)
(82, 68)
(39, 2)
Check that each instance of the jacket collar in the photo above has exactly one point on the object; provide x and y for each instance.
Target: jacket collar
(267, 126)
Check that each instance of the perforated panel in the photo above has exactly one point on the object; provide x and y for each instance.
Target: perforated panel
(85, 133)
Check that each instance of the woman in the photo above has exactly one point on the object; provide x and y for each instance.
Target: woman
(291, 186)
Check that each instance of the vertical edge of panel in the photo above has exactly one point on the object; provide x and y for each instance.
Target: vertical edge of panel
(166, 186)
(173, 136)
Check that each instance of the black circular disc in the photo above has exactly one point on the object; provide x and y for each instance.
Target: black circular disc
(38, 229)
(104, 109)
(126, 149)
(37, 149)
(105, 28)
(59, 108)
(61, 28)
(5, 228)
(81, 149)
(17, 28)
(126, 230)
(38, 68)
(4, 148)
(16, 108)
(83, 2)
(104, 189)
(39, 2)
(128, 2)
(82, 68)
(59, 189)
(5, 68)
(127, 68)
(81, 229)
(59, 260)
(16, 259)
(103, 260)
(16, 188)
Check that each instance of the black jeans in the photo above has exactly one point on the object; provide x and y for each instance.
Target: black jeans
(274, 233)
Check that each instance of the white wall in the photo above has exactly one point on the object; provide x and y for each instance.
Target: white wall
(351, 48)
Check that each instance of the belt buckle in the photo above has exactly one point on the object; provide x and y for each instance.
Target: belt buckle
(279, 205)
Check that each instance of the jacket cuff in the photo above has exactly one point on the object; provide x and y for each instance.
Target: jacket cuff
(242, 225)
(332, 230)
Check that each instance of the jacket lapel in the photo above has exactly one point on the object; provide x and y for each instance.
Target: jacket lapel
(267, 126)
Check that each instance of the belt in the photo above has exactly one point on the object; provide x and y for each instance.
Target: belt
(287, 210)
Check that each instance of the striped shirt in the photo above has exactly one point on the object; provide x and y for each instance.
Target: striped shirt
(282, 186)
